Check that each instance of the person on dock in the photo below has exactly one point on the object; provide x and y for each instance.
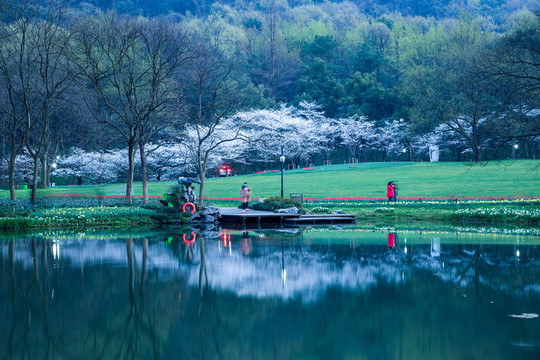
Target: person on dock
(390, 191)
(244, 193)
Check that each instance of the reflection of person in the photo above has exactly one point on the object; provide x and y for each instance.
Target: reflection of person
(244, 193)
(390, 191)
(246, 243)
(391, 240)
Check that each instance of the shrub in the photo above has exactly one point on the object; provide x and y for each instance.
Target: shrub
(176, 191)
(276, 203)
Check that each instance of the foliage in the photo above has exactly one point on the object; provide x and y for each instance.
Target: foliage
(176, 191)
(89, 216)
(276, 203)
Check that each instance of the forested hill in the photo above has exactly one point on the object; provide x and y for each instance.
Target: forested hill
(498, 10)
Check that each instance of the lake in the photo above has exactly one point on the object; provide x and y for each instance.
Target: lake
(313, 293)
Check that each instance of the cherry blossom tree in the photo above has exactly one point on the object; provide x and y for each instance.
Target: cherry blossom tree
(205, 144)
(168, 161)
(301, 132)
(97, 167)
(392, 138)
(357, 134)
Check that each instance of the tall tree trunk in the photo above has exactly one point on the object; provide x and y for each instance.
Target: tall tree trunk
(11, 171)
(131, 170)
(143, 173)
(201, 192)
(35, 180)
(44, 171)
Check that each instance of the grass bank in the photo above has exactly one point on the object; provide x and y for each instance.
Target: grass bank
(494, 179)
(116, 217)
(504, 178)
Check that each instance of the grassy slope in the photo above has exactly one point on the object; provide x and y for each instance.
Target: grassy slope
(419, 179)
(515, 178)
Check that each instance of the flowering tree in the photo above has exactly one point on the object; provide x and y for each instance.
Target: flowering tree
(357, 134)
(96, 167)
(205, 143)
(441, 139)
(23, 165)
(392, 138)
(301, 131)
(167, 162)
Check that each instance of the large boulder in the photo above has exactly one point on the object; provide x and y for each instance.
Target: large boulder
(211, 211)
(209, 214)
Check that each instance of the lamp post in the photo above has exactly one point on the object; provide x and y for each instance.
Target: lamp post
(282, 161)
(53, 166)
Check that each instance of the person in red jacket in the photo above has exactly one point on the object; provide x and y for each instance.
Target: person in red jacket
(391, 240)
(390, 192)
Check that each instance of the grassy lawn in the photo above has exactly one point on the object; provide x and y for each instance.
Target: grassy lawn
(505, 178)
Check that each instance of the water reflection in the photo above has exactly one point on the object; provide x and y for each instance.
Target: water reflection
(314, 293)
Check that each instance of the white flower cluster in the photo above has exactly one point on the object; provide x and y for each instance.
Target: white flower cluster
(492, 212)
(384, 210)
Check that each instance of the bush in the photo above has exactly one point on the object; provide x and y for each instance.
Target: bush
(176, 191)
(276, 203)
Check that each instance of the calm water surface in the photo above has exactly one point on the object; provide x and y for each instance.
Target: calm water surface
(299, 294)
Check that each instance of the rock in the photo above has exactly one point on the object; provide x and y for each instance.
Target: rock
(195, 216)
(211, 210)
(291, 210)
(209, 219)
(339, 212)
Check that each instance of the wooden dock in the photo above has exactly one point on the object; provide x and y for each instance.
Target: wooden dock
(237, 217)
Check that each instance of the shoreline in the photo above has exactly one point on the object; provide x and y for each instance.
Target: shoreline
(156, 216)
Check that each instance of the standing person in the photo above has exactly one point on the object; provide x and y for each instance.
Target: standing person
(391, 240)
(244, 193)
(390, 194)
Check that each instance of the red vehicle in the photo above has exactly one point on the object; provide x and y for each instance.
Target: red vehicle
(225, 170)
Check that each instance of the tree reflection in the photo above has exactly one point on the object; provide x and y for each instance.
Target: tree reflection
(139, 326)
(144, 297)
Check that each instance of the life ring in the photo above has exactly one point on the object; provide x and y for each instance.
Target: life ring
(189, 242)
(189, 204)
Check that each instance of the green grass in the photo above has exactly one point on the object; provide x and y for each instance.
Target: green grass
(505, 178)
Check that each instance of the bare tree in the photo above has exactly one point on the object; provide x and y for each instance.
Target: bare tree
(33, 65)
(131, 65)
(210, 101)
(52, 79)
(14, 62)
(169, 53)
